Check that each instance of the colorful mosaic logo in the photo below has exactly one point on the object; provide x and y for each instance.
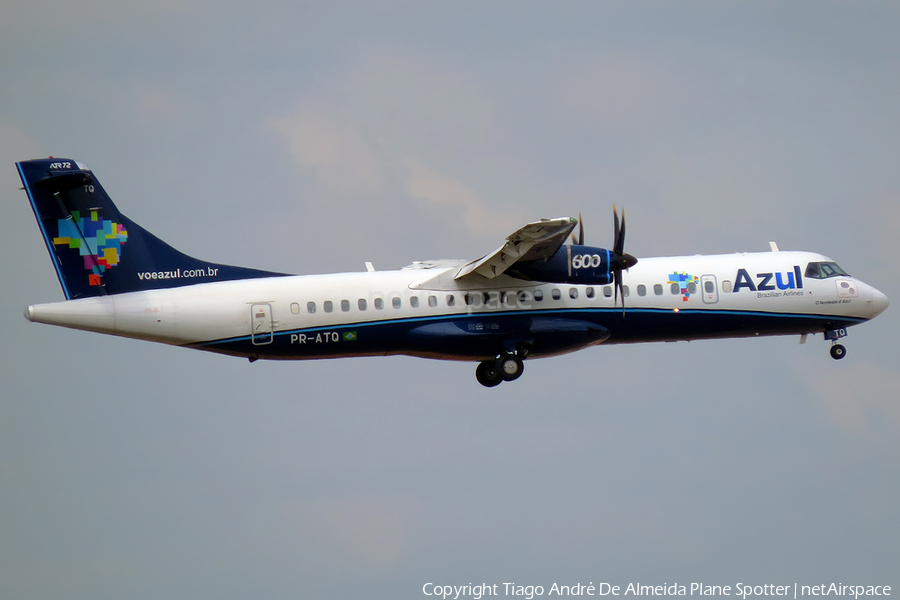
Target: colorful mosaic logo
(99, 241)
(683, 280)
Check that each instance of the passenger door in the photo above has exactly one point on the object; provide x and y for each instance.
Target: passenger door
(261, 324)
(709, 289)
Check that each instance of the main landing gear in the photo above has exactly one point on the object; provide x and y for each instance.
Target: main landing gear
(508, 367)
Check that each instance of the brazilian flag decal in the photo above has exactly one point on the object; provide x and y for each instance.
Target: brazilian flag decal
(350, 336)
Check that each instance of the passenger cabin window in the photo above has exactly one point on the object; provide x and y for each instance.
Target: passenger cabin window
(470, 300)
(726, 286)
(538, 295)
(450, 300)
(311, 307)
(573, 293)
(556, 294)
(395, 302)
(607, 291)
(361, 303)
(676, 289)
(692, 288)
(327, 306)
(589, 292)
(432, 301)
(824, 270)
(523, 297)
(414, 301)
(626, 291)
(379, 304)
(657, 289)
(295, 308)
(345, 305)
(642, 290)
(709, 286)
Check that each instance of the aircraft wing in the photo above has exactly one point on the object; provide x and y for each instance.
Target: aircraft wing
(540, 239)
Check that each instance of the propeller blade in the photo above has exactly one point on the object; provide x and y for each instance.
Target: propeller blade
(615, 288)
(579, 241)
(615, 228)
(619, 243)
(618, 287)
(619, 260)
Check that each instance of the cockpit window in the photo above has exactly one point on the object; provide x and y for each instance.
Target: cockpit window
(824, 270)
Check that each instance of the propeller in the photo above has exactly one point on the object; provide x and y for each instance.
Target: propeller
(580, 239)
(619, 260)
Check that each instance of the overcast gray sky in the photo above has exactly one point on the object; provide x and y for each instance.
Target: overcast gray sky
(311, 137)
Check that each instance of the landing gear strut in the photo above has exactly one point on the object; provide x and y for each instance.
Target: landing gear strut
(837, 350)
(508, 367)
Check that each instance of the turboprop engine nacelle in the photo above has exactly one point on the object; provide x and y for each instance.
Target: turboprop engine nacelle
(571, 264)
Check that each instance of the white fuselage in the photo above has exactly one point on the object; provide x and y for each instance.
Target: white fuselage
(365, 313)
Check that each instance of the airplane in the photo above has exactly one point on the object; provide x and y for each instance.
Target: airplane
(540, 294)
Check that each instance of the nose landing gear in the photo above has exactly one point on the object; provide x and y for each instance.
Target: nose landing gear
(837, 350)
(508, 367)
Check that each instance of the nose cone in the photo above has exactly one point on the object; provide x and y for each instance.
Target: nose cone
(875, 302)
(879, 302)
(624, 261)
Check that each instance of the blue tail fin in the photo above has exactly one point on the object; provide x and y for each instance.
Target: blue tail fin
(96, 249)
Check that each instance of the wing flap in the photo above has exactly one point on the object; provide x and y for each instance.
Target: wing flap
(533, 241)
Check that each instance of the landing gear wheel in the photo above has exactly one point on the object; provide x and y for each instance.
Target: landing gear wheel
(838, 352)
(510, 367)
(487, 374)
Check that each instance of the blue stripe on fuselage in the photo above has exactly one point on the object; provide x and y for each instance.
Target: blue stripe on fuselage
(640, 324)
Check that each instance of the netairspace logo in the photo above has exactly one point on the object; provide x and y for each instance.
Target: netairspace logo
(741, 590)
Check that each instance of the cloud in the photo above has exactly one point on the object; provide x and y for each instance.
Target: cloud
(345, 163)
(886, 224)
(350, 166)
(620, 90)
(861, 397)
(428, 185)
(152, 104)
(372, 531)
(415, 103)
(57, 15)
(16, 146)
(395, 132)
